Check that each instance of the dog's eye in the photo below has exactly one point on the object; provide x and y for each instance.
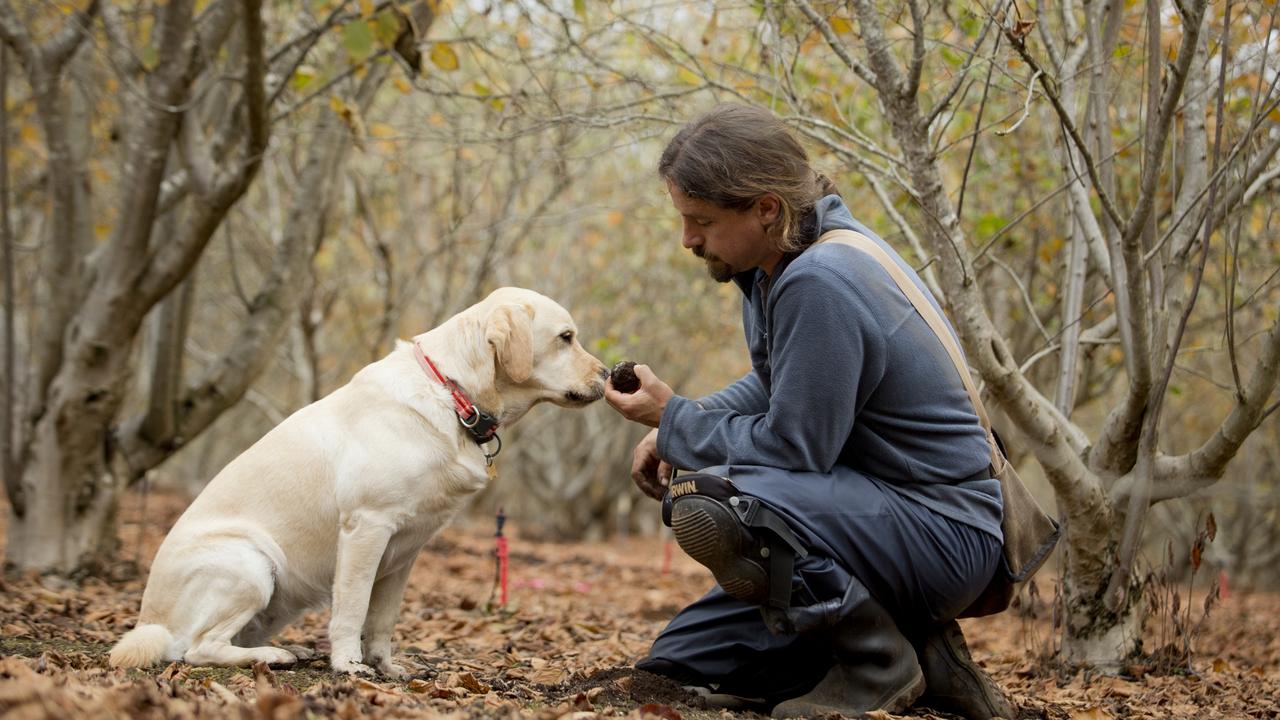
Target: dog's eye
(567, 336)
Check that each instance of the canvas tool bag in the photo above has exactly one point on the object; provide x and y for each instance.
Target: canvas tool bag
(1029, 533)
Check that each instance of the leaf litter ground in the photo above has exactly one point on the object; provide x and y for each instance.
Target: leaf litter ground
(579, 616)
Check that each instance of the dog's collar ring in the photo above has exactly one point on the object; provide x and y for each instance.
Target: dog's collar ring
(489, 456)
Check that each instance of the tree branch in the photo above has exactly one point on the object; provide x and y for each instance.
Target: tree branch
(230, 376)
(15, 34)
(838, 47)
(119, 48)
(1181, 475)
(916, 66)
(956, 84)
(1153, 148)
(149, 136)
(1078, 489)
(63, 45)
(1064, 117)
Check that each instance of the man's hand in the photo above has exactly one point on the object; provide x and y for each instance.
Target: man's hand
(650, 473)
(645, 405)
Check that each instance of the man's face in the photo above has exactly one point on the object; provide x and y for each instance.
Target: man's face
(730, 241)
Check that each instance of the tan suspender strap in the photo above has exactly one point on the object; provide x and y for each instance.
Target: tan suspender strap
(930, 314)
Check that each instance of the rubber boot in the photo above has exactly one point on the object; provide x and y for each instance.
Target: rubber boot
(954, 682)
(875, 669)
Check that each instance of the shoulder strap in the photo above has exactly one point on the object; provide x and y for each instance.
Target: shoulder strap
(931, 316)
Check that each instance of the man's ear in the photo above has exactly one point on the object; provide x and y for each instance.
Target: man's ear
(509, 329)
(768, 209)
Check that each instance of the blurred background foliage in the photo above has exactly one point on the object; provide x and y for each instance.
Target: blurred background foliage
(521, 151)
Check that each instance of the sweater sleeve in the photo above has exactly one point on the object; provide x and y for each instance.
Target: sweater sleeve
(826, 348)
(745, 395)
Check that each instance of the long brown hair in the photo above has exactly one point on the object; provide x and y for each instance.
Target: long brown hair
(736, 153)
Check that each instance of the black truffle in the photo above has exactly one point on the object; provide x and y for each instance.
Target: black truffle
(624, 377)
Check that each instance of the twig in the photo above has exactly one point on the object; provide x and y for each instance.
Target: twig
(862, 71)
(1064, 117)
(1026, 106)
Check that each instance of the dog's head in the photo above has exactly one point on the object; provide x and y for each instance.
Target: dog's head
(536, 353)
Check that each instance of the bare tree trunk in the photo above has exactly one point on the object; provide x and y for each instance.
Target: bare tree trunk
(67, 522)
(8, 468)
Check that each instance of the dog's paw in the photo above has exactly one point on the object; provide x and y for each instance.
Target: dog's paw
(276, 656)
(389, 669)
(351, 667)
(301, 652)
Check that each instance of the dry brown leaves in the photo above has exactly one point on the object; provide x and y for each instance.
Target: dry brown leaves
(579, 616)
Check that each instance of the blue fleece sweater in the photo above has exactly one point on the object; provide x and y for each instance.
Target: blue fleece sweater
(843, 371)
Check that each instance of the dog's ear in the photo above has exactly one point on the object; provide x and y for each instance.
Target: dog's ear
(510, 331)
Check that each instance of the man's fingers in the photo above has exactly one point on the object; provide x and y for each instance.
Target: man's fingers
(664, 473)
(647, 485)
(645, 374)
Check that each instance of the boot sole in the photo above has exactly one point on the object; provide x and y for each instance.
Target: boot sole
(894, 704)
(711, 535)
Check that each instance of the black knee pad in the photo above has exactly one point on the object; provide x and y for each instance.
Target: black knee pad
(701, 484)
(747, 547)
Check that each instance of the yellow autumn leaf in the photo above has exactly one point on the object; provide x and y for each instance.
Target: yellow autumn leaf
(436, 119)
(688, 77)
(402, 85)
(443, 57)
(522, 41)
(366, 8)
(382, 130)
(841, 25)
(615, 218)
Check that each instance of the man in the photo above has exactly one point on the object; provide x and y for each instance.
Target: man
(845, 506)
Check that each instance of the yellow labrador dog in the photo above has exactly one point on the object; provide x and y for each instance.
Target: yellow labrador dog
(334, 504)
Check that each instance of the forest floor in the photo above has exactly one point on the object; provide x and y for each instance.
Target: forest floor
(579, 615)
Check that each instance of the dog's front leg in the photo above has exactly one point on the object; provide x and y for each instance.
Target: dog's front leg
(384, 608)
(361, 542)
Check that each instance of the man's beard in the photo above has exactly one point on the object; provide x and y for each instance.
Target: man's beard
(719, 270)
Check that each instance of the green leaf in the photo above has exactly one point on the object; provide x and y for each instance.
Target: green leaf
(988, 225)
(387, 28)
(357, 38)
(580, 9)
(302, 77)
(150, 57)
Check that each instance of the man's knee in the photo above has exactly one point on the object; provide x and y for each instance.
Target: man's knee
(746, 545)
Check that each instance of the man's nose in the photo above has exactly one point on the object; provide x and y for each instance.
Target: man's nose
(692, 238)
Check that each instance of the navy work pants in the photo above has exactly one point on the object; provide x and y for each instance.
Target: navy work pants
(924, 568)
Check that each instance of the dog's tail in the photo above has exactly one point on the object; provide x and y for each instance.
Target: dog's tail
(141, 646)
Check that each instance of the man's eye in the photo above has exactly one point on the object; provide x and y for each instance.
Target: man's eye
(702, 223)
